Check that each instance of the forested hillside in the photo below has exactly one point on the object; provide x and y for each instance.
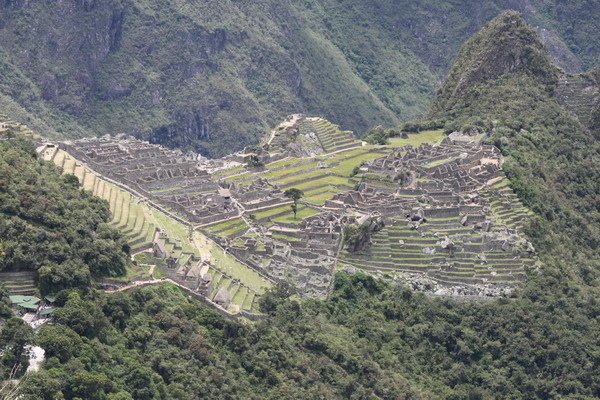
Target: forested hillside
(215, 75)
(49, 225)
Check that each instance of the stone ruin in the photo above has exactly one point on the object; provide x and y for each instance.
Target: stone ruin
(442, 219)
(445, 219)
(307, 258)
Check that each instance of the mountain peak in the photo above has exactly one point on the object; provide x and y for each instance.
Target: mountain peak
(506, 45)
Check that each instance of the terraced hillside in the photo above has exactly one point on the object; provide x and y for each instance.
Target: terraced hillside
(146, 227)
(129, 215)
(8, 125)
(22, 282)
(399, 248)
(465, 230)
(580, 94)
(330, 136)
(307, 136)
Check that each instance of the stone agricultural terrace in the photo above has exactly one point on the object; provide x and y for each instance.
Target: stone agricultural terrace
(451, 223)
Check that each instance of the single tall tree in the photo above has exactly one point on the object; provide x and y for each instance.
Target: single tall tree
(295, 195)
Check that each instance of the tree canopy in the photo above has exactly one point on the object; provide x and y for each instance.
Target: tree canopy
(50, 225)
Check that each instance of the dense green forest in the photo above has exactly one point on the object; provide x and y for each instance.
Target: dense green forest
(368, 340)
(47, 223)
(371, 339)
(215, 75)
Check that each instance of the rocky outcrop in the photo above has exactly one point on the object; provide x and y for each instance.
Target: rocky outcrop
(357, 237)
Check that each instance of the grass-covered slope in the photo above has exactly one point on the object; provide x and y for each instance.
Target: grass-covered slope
(49, 226)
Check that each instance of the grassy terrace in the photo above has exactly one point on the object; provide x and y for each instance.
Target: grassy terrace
(270, 212)
(22, 283)
(417, 139)
(437, 163)
(284, 236)
(505, 204)
(320, 195)
(303, 212)
(232, 225)
(230, 266)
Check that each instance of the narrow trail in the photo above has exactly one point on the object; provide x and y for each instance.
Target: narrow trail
(140, 283)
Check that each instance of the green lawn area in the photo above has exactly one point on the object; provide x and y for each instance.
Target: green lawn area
(236, 178)
(270, 211)
(502, 183)
(437, 163)
(303, 212)
(223, 225)
(283, 236)
(345, 154)
(327, 180)
(345, 167)
(307, 174)
(319, 197)
(234, 229)
(175, 230)
(417, 139)
(282, 163)
(228, 172)
(294, 168)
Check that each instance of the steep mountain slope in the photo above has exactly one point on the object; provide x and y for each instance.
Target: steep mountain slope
(505, 48)
(214, 75)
